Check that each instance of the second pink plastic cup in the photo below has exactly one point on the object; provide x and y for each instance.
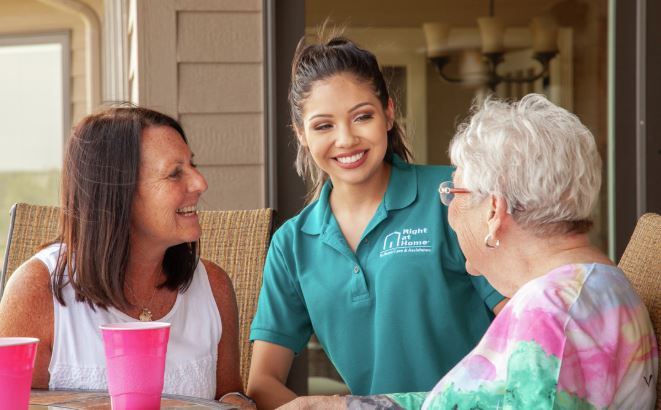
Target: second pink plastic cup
(135, 363)
(17, 356)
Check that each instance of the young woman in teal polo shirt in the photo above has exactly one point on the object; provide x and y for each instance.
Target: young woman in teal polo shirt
(371, 266)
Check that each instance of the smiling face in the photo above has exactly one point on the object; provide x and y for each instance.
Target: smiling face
(164, 208)
(345, 128)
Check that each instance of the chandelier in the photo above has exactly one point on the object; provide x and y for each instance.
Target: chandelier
(440, 44)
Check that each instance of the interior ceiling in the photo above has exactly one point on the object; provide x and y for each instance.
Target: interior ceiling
(412, 13)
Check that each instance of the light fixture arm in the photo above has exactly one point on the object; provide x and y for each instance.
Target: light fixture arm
(440, 62)
(493, 60)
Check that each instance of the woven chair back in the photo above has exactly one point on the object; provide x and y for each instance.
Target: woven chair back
(237, 241)
(30, 226)
(641, 262)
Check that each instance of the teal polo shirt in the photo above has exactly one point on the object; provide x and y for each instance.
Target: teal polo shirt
(398, 313)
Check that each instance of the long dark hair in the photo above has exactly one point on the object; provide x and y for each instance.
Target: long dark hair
(98, 184)
(314, 62)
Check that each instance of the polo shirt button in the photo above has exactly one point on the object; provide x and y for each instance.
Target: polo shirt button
(356, 269)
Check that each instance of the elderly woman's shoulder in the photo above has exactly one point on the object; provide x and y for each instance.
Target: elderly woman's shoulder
(577, 282)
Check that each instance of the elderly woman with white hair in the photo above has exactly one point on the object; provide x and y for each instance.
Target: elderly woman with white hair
(574, 334)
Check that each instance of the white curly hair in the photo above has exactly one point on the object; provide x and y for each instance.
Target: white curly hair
(537, 156)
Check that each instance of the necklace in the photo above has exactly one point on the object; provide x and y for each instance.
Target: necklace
(145, 315)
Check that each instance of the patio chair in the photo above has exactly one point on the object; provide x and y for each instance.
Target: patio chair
(641, 262)
(235, 240)
(29, 227)
(238, 241)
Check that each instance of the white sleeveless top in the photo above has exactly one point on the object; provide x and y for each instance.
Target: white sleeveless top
(78, 360)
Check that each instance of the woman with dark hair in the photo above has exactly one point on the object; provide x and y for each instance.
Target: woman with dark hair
(127, 249)
(371, 266)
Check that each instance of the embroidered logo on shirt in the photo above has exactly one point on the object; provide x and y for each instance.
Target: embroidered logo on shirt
(409, 240)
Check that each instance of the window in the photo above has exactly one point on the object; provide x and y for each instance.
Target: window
(34, 114)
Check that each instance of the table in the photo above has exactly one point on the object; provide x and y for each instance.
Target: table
(100, 400)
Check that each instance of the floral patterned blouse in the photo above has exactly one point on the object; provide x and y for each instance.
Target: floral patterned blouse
(576, 338)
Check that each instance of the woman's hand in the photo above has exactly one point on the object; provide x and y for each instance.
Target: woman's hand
(316, 402)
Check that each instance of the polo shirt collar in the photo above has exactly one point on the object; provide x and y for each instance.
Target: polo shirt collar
(403, 185)
(402, 191)
(320, 210)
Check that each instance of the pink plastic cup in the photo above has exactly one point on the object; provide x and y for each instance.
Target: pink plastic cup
(135, 363)
(17, 356)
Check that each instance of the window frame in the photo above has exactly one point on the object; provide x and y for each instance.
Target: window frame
(63, 38)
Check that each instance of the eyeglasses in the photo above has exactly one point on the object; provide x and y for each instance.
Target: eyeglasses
(447, 190)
